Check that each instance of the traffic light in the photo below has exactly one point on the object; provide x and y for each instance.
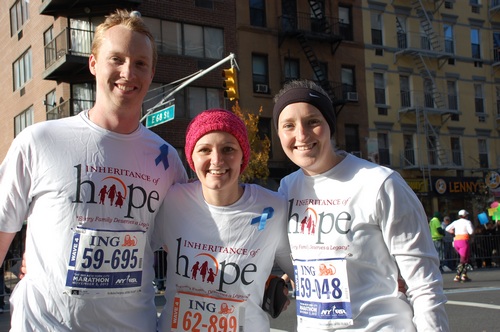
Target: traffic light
(230, 83)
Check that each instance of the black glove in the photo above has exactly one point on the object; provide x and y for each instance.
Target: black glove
(274, 298)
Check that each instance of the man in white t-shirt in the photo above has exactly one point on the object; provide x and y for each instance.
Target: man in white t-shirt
(90, 187)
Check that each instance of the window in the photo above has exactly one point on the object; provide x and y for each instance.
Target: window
(482, 145)
(258, 13)
(497, 89)
(453, 99)
(50, 50)
(50, 104)
(383, 149)
(379, 88)
(203, 42)
(348, 83)
(289, 15)
(474, 4)
(376, 27)
(345, 26)
(425, 41)
(82, 97)
(404, 90)
(496, 46)
(432, 154)
(187, 39)
(23, 120)
(292, 69)
(428, 93)
(449, 44)
(401, 32)
(352, 138)
(475, 43)
(452, 95)
(318, 20)
(199, 99)
(456, 151)
(189, 101)
(409, 152)
(19, 14)
(260, 74)
(204, 3)
(22, 70)
(479, 101)
(81, 37)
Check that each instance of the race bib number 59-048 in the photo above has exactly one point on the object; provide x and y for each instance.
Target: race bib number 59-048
(105, 263)
(322, 293)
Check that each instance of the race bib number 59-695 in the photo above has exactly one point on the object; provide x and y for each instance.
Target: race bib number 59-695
(105, 263)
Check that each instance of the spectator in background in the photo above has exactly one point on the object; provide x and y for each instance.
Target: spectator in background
(437, 234)
(462, 228)
(449, 261)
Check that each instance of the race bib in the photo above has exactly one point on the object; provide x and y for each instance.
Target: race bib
(105, 263)
(195, 312)
(322, 293)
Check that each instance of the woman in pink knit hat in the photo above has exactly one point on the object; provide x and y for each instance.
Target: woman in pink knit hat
(222, 236)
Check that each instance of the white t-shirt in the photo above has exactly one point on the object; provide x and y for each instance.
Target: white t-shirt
(219, 258)
(461, 226)
(350, 229)
(89, 197)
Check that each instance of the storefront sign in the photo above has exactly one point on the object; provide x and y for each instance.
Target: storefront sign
(462, 185)
(419, 186)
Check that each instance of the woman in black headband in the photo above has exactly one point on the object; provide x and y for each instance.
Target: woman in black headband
(353, 227)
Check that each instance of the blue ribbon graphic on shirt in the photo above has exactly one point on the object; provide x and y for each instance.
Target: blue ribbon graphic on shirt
(163, 157)
(266, 214)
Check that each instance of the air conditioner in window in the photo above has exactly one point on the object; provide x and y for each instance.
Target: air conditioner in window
(352, 96)
(262, 88)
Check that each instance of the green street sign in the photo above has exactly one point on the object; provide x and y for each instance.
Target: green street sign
(160, 117)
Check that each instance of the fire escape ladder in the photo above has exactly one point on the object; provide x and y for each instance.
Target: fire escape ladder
(323, 24)
(426, 74)
(425, 167)
(426, 24)
(317, 9)
(436, 154)
(315, 65)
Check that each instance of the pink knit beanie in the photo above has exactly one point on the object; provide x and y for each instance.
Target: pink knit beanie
(217, 120)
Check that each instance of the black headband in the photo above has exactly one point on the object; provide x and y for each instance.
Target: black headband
(309, 96)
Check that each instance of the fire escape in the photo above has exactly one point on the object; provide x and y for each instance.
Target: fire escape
(315, 27)
(429, 108)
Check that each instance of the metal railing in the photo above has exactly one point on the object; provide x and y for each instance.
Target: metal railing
(484, 252)
(68, 41)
